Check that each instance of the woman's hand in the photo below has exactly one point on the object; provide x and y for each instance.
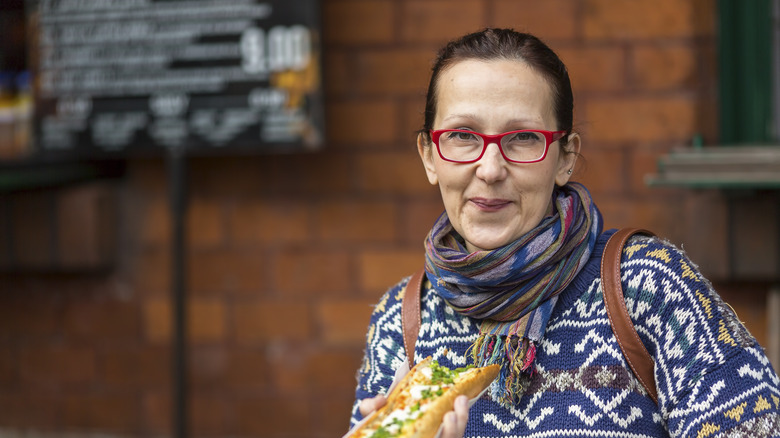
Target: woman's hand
(369, 405)
(455, 421)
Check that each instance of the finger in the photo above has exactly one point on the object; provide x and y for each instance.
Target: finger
(462, 412)
(454, 422)
(369, 405)
(450, 426)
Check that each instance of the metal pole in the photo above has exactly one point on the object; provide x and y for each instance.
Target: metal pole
(177, 178)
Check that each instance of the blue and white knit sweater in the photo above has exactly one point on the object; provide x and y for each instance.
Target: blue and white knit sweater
(713, 378)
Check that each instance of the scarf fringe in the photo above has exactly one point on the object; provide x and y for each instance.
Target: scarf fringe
(516, 360)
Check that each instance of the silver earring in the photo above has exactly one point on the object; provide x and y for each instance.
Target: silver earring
(569, 172)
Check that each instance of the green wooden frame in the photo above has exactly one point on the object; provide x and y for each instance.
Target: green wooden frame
(745, 65)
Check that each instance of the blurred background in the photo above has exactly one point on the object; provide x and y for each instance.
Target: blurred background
(194, 228)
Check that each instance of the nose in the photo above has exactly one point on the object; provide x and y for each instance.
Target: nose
(492, 166)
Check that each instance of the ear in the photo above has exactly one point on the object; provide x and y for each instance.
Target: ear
(567, 159)
(425, 149)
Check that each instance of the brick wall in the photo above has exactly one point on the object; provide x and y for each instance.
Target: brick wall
(286, 254)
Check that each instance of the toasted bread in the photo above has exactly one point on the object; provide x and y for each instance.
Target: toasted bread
(417, 405)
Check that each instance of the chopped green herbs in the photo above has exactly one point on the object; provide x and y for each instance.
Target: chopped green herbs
(442, 374)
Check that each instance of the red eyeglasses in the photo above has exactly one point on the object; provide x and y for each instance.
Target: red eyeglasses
(523, 146)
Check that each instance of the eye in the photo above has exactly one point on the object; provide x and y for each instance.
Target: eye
(462, 136)
(525, 137)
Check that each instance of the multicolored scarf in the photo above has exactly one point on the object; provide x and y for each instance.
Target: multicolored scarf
(513, 289)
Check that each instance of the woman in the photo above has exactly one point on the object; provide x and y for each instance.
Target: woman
(513, 268)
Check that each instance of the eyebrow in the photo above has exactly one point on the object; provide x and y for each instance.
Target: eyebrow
(469, 116)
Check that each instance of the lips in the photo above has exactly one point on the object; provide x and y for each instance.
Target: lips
(490, 204)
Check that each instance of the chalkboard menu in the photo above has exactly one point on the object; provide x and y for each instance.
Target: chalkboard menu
(139, 76)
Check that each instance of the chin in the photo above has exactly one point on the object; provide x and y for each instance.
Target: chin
(488, 244)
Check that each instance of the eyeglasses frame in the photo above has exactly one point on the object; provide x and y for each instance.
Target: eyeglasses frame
(549, 136)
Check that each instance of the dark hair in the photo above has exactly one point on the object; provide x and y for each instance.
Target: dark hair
(493, 44)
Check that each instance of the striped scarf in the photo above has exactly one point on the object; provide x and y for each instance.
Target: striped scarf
(512, 290)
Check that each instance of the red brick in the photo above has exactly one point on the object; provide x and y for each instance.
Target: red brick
(338, 74)
(357, 22)
(26, 314)
(412, 120)
(28, 410)
(158, 320)
(86, 226)
(652, 119)
(704, 18)
(205, 224)
(209, 414)
(418, 219)
(662, 216)
(32, 225)
(595, 69)
(132, 367)
(439, 21)
(355, 221)
(665, 68)
(333, 371)
(328, 414)
(392, 72)
(705, 234)
(275, 416)
(147, 175)
(248, 370)
(548, 20)
(154, 222)
(267, 221)
(156, 408)
(381, 269)
(365, 124)
(343, 322)
(101, 320)
(208, 365)
(754, 252)
(621, 19)
(591, 170)
(643, 164)
(151, 273)
(289, 368)
(223, 271)
(206, 320)
(6, 233)
(45, 366)
(222, 179)
(107, 412)
(263, 321)
(393, 172)
(707, 119)
(325, 174)
(231, 176)
(9, 369)
(300, 272)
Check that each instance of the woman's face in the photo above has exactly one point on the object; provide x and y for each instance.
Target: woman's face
(493, 202)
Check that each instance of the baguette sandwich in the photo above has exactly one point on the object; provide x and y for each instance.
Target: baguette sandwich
(417, 405)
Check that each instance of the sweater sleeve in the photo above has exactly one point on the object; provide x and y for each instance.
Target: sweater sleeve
(713, 378)
(384, 351)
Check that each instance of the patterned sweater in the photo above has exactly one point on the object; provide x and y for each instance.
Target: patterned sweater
(713, 378)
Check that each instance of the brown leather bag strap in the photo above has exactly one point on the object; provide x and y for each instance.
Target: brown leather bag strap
(410, 314)
(634, 351)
